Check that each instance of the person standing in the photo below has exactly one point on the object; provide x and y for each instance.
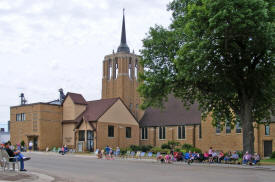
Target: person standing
(30, 145)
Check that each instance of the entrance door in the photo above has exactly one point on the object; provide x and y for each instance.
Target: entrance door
(267, 148)
(35, 143)
(90, 140)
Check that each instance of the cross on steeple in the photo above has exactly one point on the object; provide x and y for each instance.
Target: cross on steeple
(123, 47)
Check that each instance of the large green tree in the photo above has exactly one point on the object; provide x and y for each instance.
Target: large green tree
(219, 53)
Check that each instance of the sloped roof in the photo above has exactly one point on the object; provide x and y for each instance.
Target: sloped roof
(173, 114)
(95, 109)
(77, 98)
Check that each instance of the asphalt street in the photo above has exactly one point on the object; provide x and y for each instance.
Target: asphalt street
(72, 168)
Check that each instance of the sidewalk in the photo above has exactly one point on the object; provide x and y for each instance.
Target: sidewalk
(8, 176)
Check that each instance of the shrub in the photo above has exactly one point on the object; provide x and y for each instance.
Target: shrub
(22, 143)
(156, 150)
(146, 148)
(240, 153)
(273, 155)
(194, 149)
(165, 151)
(177, 150)
(123, 151)
(135, 148)
(165, 146)
(186, 146)
(172, 144)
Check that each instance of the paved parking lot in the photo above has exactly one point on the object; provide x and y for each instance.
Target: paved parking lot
(85, 168)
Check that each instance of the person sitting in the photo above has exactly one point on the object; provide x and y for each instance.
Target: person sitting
(220, 157)
(107, 152)
(17, 156)
(256, 158)
(247, 158)
(214, 156)
(235, 156)
(205, 156)
(227, 157)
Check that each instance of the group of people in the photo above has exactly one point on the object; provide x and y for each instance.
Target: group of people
(210, 156)
(15, 155)
(108, 152)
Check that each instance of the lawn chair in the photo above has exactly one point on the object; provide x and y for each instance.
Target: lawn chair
(7, 160)
(150, 155)
(158, 154)
(138, 154)
(128, 154)
(54, 149)
(132, 154)
(142, 154)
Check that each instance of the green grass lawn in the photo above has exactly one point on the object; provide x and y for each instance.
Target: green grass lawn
(268, 161)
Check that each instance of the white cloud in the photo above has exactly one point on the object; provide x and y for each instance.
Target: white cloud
(49, 44)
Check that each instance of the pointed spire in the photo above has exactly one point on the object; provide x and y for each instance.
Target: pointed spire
(123, 47)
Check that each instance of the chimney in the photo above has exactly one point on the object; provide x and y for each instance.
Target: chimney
(61, 95)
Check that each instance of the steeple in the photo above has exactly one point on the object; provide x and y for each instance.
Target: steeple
(123, 47)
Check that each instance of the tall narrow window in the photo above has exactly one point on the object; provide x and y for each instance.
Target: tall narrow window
(200, 132)
(110, 69)
(181, 132)
(130, 106)
(228, 127)
(218, 128)
(136, 69)
(144, 133)
(267, 130)
(81, 135)
(130, 68)
(111, 131)
(238, 127)
(162, 133)
(116, 69)
(23, 117)
(128, 132)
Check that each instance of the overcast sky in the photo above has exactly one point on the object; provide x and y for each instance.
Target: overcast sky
(50, 44)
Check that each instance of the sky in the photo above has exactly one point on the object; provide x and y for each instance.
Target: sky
(50, 44)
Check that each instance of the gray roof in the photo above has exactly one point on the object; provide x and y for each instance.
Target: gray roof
(174, 114)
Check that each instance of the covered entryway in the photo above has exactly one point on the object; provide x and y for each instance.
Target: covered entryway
(34, 140)
(267, 148)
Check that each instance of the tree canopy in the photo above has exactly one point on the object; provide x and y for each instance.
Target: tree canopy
(219, 53)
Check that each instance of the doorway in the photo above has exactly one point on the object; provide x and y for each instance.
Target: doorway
(267, 148)
(90, 140)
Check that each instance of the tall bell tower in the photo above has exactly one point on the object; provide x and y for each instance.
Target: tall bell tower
(120, 74)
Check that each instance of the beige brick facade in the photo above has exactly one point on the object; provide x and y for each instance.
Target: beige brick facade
(209, 138)
(42, 121)
(124, 85)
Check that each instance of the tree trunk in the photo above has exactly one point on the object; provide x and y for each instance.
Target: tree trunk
(247, 125)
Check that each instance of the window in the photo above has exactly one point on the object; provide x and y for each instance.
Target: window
(218, 128)
(144, 133)
(128, 132)
(228, 127)
(136, 109)
(110, 69)
(161, 132)
(23, 116)
(20, 117)
(267, 130)
(81, 135)
(136, 69)
(111, 131)
(181, 132)
(116, 69)
(200, 136)
(238, 127)
(130, 106)
(130, 68)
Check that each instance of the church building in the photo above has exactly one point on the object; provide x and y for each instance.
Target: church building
(117, 120)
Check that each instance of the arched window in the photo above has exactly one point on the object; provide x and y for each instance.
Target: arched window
(130, 68)
(136, 69)
(116, 69)
(110, 70)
